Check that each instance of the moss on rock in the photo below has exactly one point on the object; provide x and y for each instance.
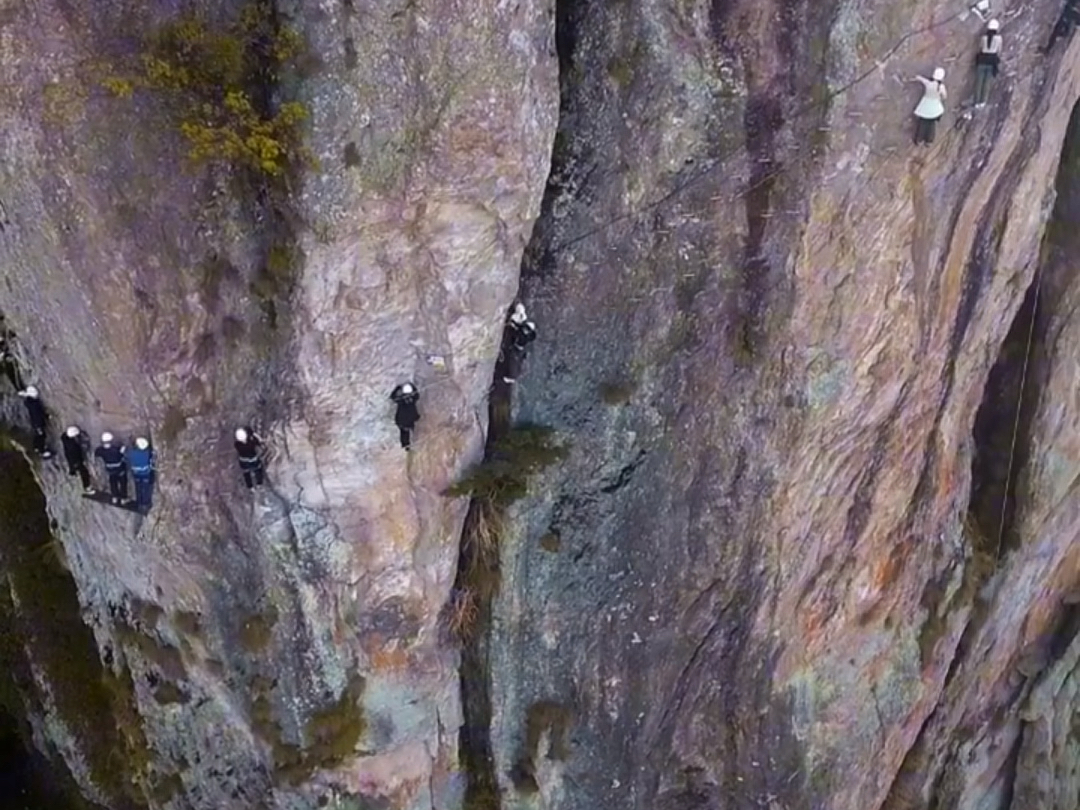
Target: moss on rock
(332, 733)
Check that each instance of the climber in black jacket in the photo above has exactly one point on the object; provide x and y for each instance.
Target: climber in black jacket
(74, 443)
(248, 448)
(112, 456)
(407, 415)
(520, 332)
(39, 420)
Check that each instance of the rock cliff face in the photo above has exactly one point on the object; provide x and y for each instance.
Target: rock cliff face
(805, 552)
(811, 542)
(280, 649)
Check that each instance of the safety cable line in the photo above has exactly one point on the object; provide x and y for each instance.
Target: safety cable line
(719, 161)
(1019, 408)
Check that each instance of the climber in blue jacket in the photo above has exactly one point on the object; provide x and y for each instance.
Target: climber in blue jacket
(141, 461)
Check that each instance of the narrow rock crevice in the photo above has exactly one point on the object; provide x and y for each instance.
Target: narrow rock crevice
(1002, 433)
(478, 572)
(1003, 441)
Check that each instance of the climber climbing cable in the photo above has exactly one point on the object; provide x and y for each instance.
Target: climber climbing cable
(39, 420)
(112, 457)
(141, 459)
(519, 333)
(248, 448)
(74, 443)
(987, 61)
(931, 106)
(406, 415)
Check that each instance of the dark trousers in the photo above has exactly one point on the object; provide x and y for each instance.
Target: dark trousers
(513, 360)
(118, 484)
(405, 434)
(144, 489)
(983, 74)
(79, 468)
(253, 475)
(39, 440)
(925, 129)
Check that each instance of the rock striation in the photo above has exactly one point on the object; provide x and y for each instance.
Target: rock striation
(780, 513)
(283, 648)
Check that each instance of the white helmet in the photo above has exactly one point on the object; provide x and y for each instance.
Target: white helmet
(939, 74)
(241, 435)
(993, 25)
(142, 443)
(31, 391)
(106, 437)
(73, 431)
(518, 315)
(407, 388)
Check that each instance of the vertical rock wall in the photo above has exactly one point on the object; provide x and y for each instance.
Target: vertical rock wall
(761, 579)
(281, 649)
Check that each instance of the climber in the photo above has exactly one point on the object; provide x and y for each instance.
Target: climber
(10, 366)
(1066, 22)
(406, 396)
(930, 108)
(39, 419)
(112, 456)
(987, 61)
(141, 459)
(249, 450)
(520, 335)
(517, 315)
(74, 444)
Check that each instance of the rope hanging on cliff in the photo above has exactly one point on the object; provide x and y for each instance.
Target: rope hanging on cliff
(719, 161)
(1019, 408)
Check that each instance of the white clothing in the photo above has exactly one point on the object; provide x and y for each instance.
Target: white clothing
(930, 106)
(993, 46)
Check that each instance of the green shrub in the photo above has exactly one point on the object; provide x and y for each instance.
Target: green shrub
(503, 477)
(258, 629)
(618, 392)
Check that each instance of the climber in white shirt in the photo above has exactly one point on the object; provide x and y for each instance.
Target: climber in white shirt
(931, 106)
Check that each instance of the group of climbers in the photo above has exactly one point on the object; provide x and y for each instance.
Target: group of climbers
(118, 460)
(518, 333)
(931, 106)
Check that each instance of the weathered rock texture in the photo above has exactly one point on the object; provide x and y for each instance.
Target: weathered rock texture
(280, 650)
(813, 544)
(786, 565)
